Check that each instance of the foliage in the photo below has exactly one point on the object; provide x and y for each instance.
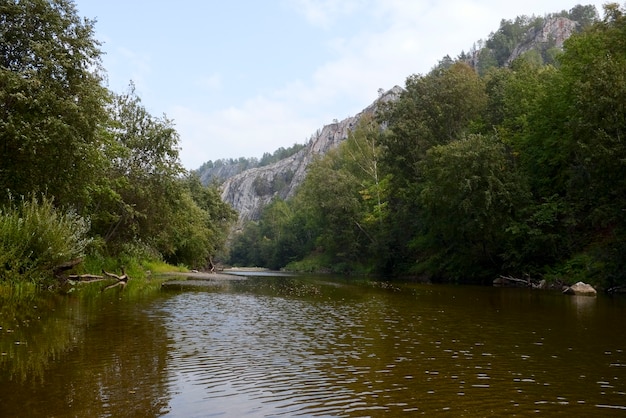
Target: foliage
(244, 163)
(202, 225)
(498, 50)
(35, 237)
(51, 101)
(338, 212)
(470, 194)
(501, 167)
(280, 154)
(516, 169)
(94, 154)
(141, 177)
(274, 241)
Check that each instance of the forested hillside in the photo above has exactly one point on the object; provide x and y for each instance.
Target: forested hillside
(250, 184)
(480, 171)
(84, 170)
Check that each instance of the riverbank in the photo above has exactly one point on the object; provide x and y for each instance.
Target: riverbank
(194, 279)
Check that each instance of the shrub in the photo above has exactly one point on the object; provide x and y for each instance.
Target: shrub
(35, 237)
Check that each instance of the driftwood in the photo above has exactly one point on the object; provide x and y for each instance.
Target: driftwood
(121, 280)
(514, 281)
(89, 278)
(85, 277)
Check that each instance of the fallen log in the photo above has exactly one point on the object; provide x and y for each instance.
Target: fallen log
(121, 280)
(85, 277)
(513, 281)
(90, 278)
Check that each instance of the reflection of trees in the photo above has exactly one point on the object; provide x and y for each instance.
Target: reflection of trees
(105, 358)
(36, 329)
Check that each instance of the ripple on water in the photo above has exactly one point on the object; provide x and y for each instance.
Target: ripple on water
(273, 356)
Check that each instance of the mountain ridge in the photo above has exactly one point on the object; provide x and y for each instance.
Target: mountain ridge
(250, 188)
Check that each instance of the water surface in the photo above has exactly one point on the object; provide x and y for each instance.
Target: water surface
(289, 346)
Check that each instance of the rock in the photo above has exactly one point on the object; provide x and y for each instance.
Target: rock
(580, 289)
(554, 31)
(249, 191)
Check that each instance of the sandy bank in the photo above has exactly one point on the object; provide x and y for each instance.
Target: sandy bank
(198, 279)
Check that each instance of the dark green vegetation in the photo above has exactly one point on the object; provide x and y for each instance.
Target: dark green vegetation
(85, 171)
(475, 172)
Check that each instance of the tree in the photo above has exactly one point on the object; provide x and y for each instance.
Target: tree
(469, 197)
(215, 220)
(593, 97)
(435, 109)
(571, 151)
(330, 198)
(506, 38)
(52, 102)
(362, 153)
(584, 15)
(138, 202)
(513, 95)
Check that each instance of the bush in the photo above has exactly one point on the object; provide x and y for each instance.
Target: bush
(35, 237)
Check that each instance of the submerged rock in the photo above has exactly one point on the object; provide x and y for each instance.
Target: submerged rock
(581, 289)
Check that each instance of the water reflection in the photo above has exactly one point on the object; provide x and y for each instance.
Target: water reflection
(290, 346)
(84, 357)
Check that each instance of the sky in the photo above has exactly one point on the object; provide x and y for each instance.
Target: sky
(243, 77)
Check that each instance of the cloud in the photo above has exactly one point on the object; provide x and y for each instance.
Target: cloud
(137, 64)
(384, 42)
(324, 13)
(257, 126)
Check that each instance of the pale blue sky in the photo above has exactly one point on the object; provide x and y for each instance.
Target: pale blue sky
(244, 77)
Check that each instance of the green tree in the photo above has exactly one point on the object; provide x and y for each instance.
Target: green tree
(331, 201)
(508, 36)
(593, 96)
(51, 101)
(138, 201)
(469, 197)
(513, 95)
(212, 225)
(435, 109)
(362, 153)
(570, 148)
(584, 15)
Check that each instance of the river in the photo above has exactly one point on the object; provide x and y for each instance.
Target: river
(314, 346)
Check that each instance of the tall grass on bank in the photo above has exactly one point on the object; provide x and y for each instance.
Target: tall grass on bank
(35, 237)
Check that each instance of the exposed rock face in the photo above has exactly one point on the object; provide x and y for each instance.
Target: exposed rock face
(221, 173)
(581, 289)
(554, 32)
(251, 190)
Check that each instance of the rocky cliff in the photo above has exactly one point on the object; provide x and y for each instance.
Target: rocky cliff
(553, 33)
(251, 190)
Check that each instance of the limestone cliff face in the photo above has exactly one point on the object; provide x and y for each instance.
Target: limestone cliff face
(554, 32)
(251, 190)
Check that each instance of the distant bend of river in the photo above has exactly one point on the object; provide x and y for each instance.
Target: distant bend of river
(319, 347)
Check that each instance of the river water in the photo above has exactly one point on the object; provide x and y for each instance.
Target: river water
(292, 346)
